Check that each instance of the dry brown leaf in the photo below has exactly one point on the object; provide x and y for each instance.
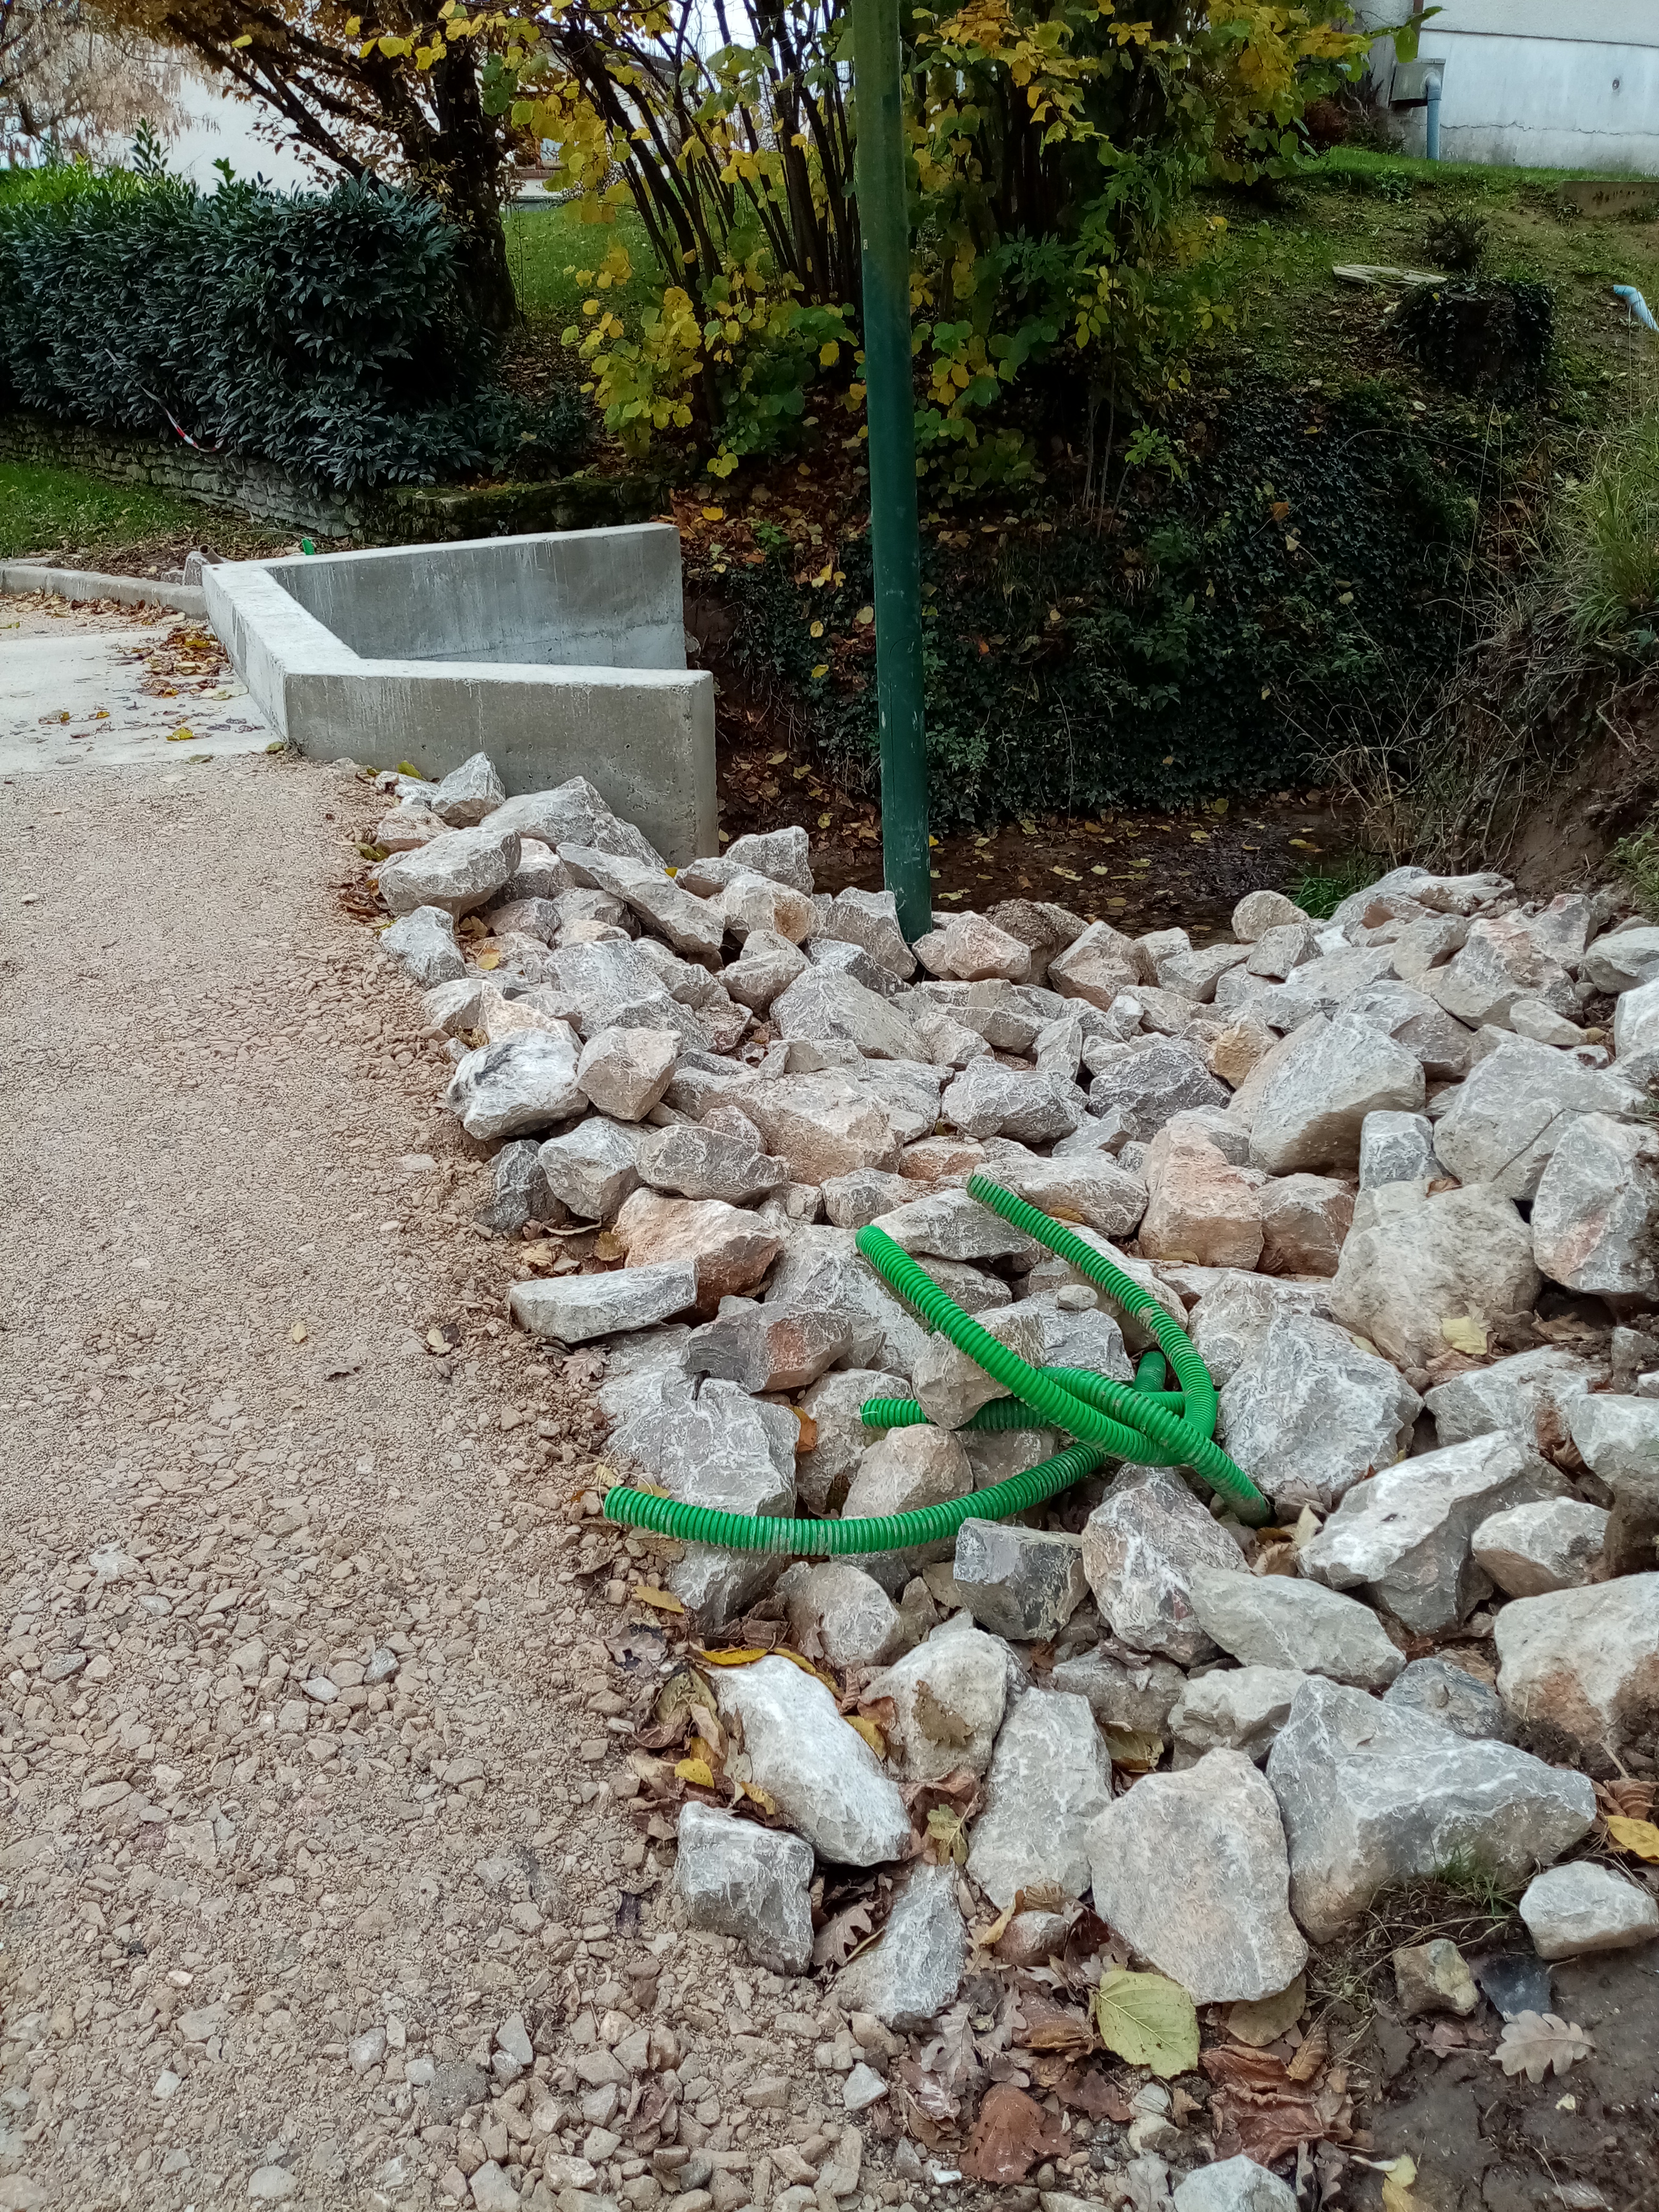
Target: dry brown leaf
(665, 1600)
(1264, 2020)
(1534, 2042)
(1051, 2027)
(807, 1441)
(1316, 2048)
(840, 1936)
(1010, 2135)
(1626, 1797)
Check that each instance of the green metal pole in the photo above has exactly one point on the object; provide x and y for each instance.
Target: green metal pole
(890, 411)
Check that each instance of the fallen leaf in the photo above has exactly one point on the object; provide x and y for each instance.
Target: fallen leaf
(1051, 2027)
(1533, 2042)
(180, 736)
(697, 1771)
(1147, 2019)
(1397, 2180)
(408, 768)
(1641, 1837)
(1011, 2133)
(808, 1440)
(1264, 2020)
(665, 1600)
(1310, 2056)
(1464, 1334)
(1134, 1753)
(489, 960)
(732, 1658)
(299, 1332)
(607, 1245)
(756, 1796)
(841, 1935)
(872, 1734)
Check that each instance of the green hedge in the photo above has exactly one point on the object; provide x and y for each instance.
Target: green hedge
(323, 331)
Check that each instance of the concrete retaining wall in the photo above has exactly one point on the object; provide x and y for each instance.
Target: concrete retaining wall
(558, 655)
(90, 584)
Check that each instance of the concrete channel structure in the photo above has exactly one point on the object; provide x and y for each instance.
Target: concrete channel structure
(559, 654)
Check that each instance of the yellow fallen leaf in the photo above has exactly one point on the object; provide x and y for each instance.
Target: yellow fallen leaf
(299, 1332)
(1641, 1837)
(999, 1927)
(180, 736)
(1301, 844)
(408, 768)
(695, 1770)
(815, 629)
(489, 960)
(732, 1658)
(822, 669)
(1147, 2019)
(756, 1796)
(807, 1439)
(872, 1734)
(776, 759)
(1464, 1333)
(714, 515)
(607, 1245)
(1397, 2186)
(1135, 1752)
(865, 617)
(665, 1600)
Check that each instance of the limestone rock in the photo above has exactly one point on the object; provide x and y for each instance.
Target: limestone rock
(457, 871)
(1461, 1254)
(1097, 966)
(868, 918)
(770, 965)
(974, 949)
(950, 1386)
(835, 1609)
(1572, 1910)
(1305, 1219)
(1141, 1548)
(785, 855)
(698, 1162)
(1048, 1777)
(1513, 1111)
(573, 814)
(1193, 975)
(1192, 1870)
(1448, 1694)
(852, 1200)
(1396, 1148)
(1593, 1219)
(1584, 1662)
(822, 1004)
(1199, 1208)
(748, 1881)
(591, 1168)
(625, 1072)
(521, 1192)
(1550, 1546)
(694, 926)
(834, 1406)
(1498, 964)
(1530, 1393)
(949, 1224)
(1371, 1793)
(540, 874)
(1021, 1583)
(1307, 1413)
(914, 1972)
(1277, 952)
(1446, 1050)
(826, 1779)
(1258, 912)
(765, 1348)
(751, 901)
(821, 1125)
(467, 794)
(575, 1309)
(599, 986)
(1623, 960)
(990, 1100)
(1089, 1185)
(1234, 1709)
(1434, 1978)
(823, 1273)
(1404, 1537)
(906, 1470)
(731, 1249)
(1281, 1621)
(1126, 1690)
(1313, 1106)
(424, 942)
(1531, 1018)
(948, 1697)
(1235, 1311)
(715, 1446)
(1635, 1033)
(1323, 986)
(528, 1082)
(1147, 1088)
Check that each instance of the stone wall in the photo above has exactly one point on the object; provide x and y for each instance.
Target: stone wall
(409, 515)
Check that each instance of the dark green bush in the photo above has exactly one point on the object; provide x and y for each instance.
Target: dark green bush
(1286, 595)
(326, 333)
(1479, 335)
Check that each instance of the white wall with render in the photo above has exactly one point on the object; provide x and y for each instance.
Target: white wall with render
(1571, 84)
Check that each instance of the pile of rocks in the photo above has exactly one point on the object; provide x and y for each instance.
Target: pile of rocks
(1397, 1174)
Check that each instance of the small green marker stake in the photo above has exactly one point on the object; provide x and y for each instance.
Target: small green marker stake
(890, 409)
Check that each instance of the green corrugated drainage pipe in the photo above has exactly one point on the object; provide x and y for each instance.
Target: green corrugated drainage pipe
(1110, 1421)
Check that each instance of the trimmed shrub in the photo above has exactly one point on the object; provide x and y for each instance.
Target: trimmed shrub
(323, 331)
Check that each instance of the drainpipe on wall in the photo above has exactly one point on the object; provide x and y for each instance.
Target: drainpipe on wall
(1432, 115)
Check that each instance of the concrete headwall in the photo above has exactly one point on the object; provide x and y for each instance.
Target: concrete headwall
(639, 725)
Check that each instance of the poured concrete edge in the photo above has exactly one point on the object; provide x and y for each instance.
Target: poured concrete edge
(643, 735)
(89, 584)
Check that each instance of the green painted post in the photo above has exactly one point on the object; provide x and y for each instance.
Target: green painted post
(890, 411)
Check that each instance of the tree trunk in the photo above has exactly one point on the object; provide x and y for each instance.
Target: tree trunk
(465, 164)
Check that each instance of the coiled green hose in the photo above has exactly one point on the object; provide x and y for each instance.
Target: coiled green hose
(1134, 1421)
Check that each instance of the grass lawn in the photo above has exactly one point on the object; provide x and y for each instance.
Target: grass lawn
(68, 515)
(545, 249)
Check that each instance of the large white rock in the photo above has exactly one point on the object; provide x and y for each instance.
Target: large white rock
(457, 871)
(1092, 1186)
(1023, 1583)
(869, 920)
(423, 941)
(834, 1406)
(467, 794)
(1281, 1621)
(1529, 1549)
(702, 1162)
(1234, 2184)
(1584, 1662)
(1191, 1869)
(1463, 1253)
(625, 1072)
(1572, 1910)
(575, 1309)
(1528, 1393)
(1513, 1111)
(1141, 1548)
(1396, 1148)
(785, 855)
(949, 1224)
(828, 1781)
(753, 902)
(1404, 1537)
(692, 925)
(1446, 1692)
(822, 1124)
(527, 1082)
(1635, 1033)
(748, 1881)
(1499, 962)
(1147, 1087)
(1617, 1436)
(1126, 1689)
(1308, 1411)
(1314, 1104)
(990, 1100)
(1370, 1795)
(573, 814)
(949, 1696)
(1623, 960)
(1323, 986)
(1445, 1048)
(716, 1447)
(1049, 1776)
(1233, 1709)
(1594, 1215)
(1235, 1310)
(593, 1168)
(1096, 967)
(828, 1006)
(907, 1470)
(836, 1609)
(1200, 1207)
(912, 1974)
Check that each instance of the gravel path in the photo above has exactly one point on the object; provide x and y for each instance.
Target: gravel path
(243, 1924)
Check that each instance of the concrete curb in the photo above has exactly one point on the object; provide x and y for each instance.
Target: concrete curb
(88, 584)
